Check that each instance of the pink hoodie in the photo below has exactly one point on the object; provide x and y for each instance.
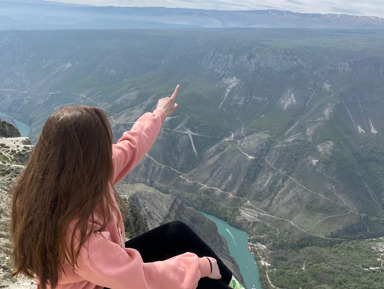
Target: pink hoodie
(103, 262)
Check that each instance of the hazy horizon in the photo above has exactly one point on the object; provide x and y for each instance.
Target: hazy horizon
(349, 7)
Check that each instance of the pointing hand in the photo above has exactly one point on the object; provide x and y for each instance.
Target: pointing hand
(167, 104)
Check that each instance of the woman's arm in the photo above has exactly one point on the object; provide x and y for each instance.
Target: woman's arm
(106, 264)
(134, 144)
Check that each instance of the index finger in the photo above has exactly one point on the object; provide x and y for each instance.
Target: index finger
(175, 92)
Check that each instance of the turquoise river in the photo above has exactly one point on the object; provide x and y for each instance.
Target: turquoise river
(238, 247)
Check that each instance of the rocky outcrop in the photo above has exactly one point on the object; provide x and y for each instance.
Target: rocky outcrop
(157, 208)
(8, 130)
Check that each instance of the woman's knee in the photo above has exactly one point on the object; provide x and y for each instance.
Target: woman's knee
(180, 228)
(179, 225)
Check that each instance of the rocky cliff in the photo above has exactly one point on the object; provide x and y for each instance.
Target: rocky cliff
(157, 208)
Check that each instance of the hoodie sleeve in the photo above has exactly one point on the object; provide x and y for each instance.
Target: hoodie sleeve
(106, 264)
(134, 144)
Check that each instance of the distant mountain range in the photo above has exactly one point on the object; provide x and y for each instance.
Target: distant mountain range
(46, 15)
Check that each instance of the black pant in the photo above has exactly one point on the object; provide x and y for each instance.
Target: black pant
(174, 239)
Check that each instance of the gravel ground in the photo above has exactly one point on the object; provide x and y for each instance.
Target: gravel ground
(20, 284)
(11, 169)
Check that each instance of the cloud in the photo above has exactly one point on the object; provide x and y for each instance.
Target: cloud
(356, 7)
(294, 2)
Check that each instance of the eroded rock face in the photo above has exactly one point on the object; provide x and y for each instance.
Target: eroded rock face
(157, 208)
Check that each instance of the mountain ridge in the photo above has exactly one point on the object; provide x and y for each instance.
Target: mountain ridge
(22, 15)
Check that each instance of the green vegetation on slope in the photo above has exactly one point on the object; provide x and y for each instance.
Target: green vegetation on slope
(352, 264)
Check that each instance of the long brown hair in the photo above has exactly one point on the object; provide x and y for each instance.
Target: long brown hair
(66, 178)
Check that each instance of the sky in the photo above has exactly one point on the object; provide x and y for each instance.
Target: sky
(353, 7)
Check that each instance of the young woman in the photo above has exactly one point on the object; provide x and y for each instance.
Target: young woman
(66, 225)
